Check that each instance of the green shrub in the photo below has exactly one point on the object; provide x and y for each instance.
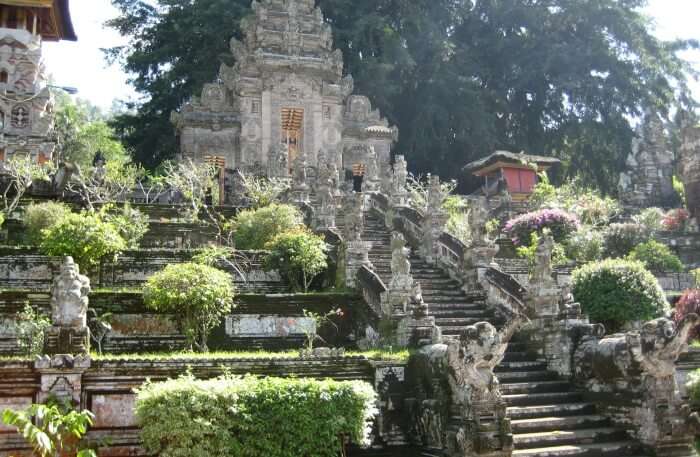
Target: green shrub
(198, 297)
(529, 253)
(85, 237)
(131, 223)
(651, 219)
(30, 330)
(251, 417)
(40, 216)
(693, 387)
(255, 228)
(616, 292)
(621, 239)
(298, 255)
(585, 245)
(657, 257)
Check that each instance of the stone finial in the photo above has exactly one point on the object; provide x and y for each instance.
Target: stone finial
(400, 265)
(478, 217)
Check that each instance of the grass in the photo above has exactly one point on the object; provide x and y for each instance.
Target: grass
(379, 355)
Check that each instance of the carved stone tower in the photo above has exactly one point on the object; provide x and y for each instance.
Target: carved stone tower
(284, 98)
(26, 105)
(648, 180)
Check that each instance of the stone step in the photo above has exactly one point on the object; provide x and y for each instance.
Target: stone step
(544, 398)
(452, 306)
(523, 365)
(512, 356)
(461, 322)
(547, 424)
(510, 377)
(535, 387)
(459, 313)
(558, 410)
(564, 437)
(612, 449)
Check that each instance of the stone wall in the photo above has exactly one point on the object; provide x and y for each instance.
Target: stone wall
(257, 322)
(25, 268)
(106, 388)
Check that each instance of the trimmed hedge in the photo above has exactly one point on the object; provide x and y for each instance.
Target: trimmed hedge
(616, 292)
(657, 257)
(254, 417)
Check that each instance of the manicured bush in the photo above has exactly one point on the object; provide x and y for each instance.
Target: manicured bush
(688, 303)
(251, 417)
(616, 292)
(85, 237)
(621, 239)
(40, 216)
(198, 297)
(253, 229)
(657, 257)
(585, 245)
(560, 223)
(299, 255)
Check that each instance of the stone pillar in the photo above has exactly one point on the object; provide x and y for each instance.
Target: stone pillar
(356, 250)
(300, 185)
(69, 333)
(482, 250)
(325, 216)
(435, 221)
(690, 166)
(61, 377)
(399, 193)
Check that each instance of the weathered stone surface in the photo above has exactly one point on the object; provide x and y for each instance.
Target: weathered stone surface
(690, 165)
(69, 333)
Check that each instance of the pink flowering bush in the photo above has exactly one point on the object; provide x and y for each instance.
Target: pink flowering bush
(688, 303)
(675, 220)
(560, 223)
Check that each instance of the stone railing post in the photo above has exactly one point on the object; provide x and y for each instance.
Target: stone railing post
(435, 221)
(482, 250)
(61, 377)
(356, 250)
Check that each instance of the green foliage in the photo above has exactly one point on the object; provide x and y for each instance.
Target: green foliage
(30, 330)
(679, 187)
(616, 292)
(264, 191)
(251, 417)
(40, 216)
(110, 183)
(86, 237)
(650, 219)
(319, 320)
(529, 252)
(198, 297)
(692, 386)
(657, 257)
(696, 276)
(298, 255)
(458, 78)
(52, 430)
(2, 219)
(193, 181)
(19, 173)
(621, 239)
(585, 245)
(254, 229)
(129, 222)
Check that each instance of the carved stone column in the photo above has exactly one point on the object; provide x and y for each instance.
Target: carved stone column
(482, 250)
(435, 221)
(325, 216)
(69, 333)
(399, 193)
(356, 250)
(300, 184)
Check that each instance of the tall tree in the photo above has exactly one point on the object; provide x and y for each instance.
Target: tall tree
(459, 78)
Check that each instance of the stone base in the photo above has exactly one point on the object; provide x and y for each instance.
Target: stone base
(66, 340)
(356, 256)
(417, 332)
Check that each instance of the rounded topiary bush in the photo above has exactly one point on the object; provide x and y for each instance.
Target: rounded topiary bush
(689, 303)
(657, 257)
(299, 255)
(253, 229)
(621, 239)
(617, 292)
(40, 216)
(560, 224)
(198, 297)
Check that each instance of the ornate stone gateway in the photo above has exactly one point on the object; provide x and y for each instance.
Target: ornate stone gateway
(284, 98)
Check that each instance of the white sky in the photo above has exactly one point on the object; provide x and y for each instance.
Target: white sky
(82, 64)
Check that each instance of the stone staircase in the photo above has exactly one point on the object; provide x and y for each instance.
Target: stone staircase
(549, 418)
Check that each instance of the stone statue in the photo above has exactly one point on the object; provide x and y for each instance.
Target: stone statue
(372, 177)
(542, 274)
(69, 333)
(478, 216)
(277, 161)
(400, 175)
(69, 296)
(436, 196)
(299, 177)
(354, 217)
(400, 265)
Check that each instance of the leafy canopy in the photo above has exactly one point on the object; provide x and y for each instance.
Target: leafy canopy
(299, 255)
(459, 78)
(251, 417)
(254, 229)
